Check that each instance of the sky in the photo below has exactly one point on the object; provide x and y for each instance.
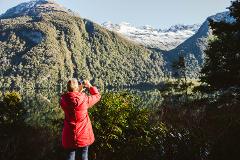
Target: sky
(156, 13)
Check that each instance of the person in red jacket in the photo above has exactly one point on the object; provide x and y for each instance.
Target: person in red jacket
(77, 134)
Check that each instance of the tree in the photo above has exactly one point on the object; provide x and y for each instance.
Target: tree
(222, 66)
(121, 127)
(11, 109)
(179, 66)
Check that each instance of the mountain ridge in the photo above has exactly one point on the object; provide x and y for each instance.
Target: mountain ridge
(166, 39)
(48, 47)
(33, 8)
(193, 47)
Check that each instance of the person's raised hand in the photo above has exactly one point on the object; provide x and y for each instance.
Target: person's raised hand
(87, 84)
(81, 88)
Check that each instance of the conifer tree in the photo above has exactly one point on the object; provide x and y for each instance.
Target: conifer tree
(222, 66)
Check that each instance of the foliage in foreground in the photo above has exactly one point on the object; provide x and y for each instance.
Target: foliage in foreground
(126, 130)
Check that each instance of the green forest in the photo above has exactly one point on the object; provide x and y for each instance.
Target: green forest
(143, 114)
(49, 48)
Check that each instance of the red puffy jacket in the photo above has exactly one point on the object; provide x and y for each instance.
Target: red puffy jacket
(77, 131)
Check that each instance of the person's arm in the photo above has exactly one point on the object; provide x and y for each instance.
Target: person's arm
(62, 101)
(95, 95)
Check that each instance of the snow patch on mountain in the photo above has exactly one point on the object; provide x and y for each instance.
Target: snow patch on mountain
(166, 39)
(34, 7)
(223, 16)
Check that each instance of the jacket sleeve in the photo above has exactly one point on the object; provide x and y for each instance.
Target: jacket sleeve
(62, 102)
(94, 97)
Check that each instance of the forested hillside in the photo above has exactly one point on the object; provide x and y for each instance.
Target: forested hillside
(186, 120)
(49, 47)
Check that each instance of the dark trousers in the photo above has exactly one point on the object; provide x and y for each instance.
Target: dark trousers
(78, 153)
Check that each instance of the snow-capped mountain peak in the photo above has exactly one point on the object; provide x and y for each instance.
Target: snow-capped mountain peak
(33, 8)
(154, 38)
(147, 27)
(223, 16)
(182, 27)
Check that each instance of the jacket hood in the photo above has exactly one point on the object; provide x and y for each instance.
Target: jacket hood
(72, 98)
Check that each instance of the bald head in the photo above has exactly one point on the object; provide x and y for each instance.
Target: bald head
(72, 85)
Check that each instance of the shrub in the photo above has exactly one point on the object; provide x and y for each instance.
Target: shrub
(123, 129)
(11, 109)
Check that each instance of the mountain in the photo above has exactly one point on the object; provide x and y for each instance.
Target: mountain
(187, 40)
(193, 48)
(154, 38)
(43, 44)
(34, 8)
